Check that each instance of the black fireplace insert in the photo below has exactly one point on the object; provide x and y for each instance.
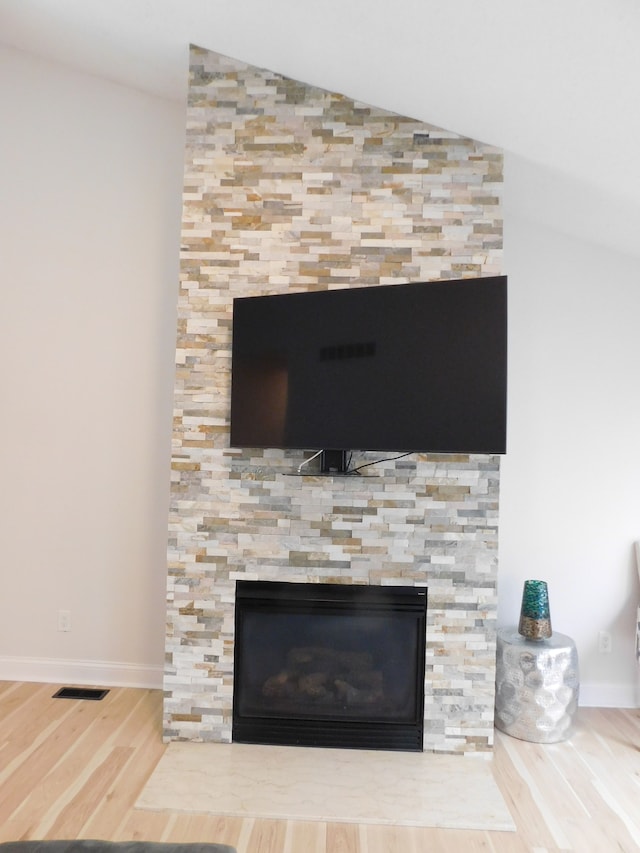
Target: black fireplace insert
(333, 665)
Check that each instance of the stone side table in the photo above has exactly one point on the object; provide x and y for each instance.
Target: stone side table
(537, 685)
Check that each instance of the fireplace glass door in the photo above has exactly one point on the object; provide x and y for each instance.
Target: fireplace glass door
(329, 665)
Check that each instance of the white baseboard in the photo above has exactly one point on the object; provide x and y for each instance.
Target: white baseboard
(118, 674)
(610, 695)
(81, 672)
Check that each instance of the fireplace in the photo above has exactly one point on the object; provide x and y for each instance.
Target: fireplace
(296, 222)
(333, 665)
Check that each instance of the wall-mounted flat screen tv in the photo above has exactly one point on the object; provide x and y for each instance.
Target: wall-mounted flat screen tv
(405, 367)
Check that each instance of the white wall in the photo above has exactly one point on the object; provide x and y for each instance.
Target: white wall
(89, 216)
(569, 483)
(90, 208)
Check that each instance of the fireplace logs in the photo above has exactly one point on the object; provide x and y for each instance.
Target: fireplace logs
(325, 676)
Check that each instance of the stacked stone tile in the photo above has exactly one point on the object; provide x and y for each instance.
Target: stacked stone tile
(291, 188)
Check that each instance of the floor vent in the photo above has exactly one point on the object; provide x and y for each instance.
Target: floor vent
(93, 693)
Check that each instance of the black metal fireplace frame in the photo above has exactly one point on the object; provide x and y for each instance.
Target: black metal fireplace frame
(264, 596)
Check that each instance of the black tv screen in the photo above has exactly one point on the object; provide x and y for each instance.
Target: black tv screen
(404, 367)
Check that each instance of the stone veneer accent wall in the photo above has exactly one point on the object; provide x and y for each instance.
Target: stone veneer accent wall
(289, 187)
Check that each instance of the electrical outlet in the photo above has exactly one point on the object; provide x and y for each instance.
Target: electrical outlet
(604, 643)
(64, 620)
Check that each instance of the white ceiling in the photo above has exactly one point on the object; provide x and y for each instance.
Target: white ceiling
(556, 83)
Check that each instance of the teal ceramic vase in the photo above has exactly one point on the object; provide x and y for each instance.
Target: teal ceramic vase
(535, 619)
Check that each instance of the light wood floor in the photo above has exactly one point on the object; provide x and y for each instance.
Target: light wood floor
(73, 769)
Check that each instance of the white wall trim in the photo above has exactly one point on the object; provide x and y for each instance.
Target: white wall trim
(119, 674)
(98, 673)
(610, 695)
